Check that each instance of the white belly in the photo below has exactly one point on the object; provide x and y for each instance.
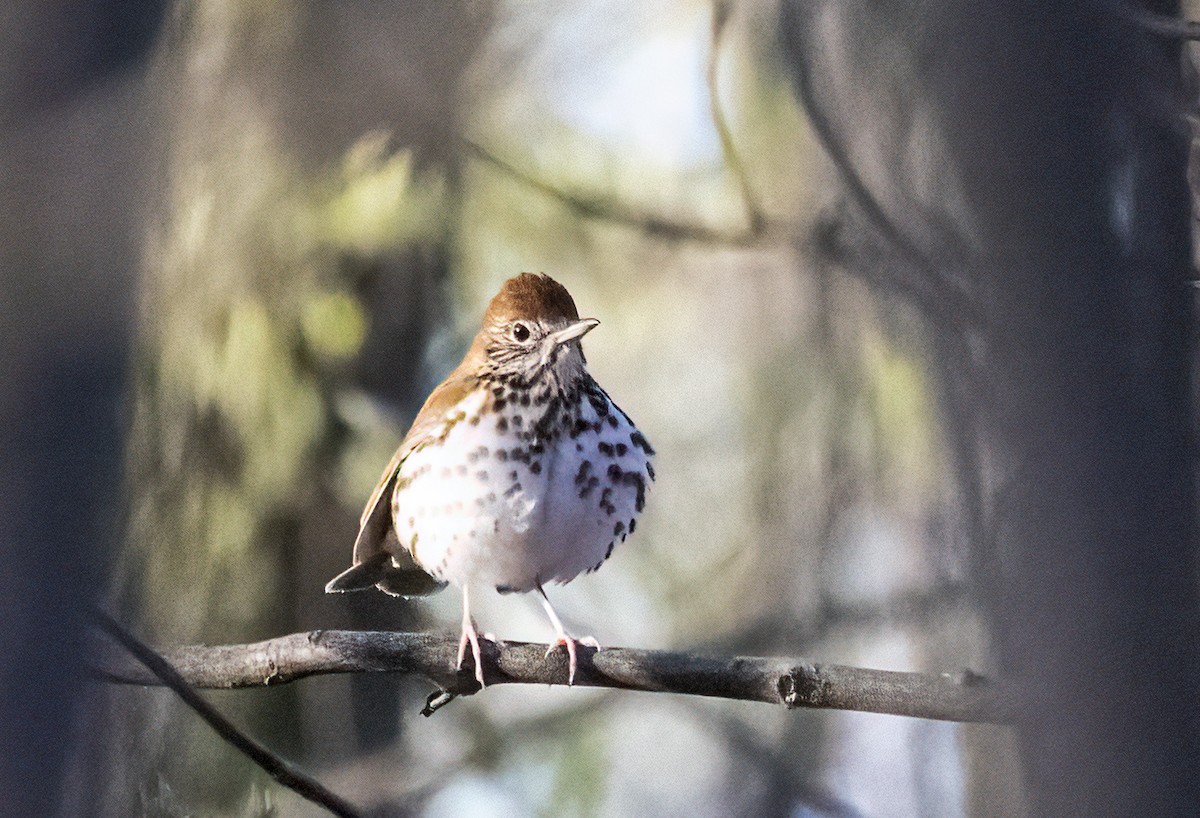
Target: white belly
(482, 508)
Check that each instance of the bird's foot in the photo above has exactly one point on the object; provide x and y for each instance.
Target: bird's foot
(565, 639)
(572, 645)
(470, 637)
(572, 655)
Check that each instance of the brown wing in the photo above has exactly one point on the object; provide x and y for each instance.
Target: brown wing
(379, 559)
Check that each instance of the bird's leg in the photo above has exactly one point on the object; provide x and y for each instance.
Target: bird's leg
(564, 638)
(470, 636)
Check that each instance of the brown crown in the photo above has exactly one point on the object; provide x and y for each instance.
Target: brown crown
(534, 296)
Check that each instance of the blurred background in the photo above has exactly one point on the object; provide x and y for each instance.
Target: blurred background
(242, 240)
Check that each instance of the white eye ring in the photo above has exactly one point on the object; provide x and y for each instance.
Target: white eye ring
(521, 332)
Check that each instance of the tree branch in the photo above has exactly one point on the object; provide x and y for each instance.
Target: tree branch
(155, 669)
(791, 682)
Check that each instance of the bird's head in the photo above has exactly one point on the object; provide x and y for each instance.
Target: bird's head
(532, 327)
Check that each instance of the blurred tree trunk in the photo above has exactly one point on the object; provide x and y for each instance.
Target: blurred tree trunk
(71, 136)
(1074, 140)
(228, 413)
(270, 211)
(1030, 157)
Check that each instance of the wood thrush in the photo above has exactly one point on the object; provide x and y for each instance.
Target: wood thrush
(519, 470)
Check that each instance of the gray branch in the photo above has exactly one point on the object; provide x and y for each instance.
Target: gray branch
(793, 683)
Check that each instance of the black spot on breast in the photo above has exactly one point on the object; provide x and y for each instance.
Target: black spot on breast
(483, 451)
(481, 475)
(621, 449)
(513, 489)
(650, 469)
(502, 425)
(606, 449)
(536, 467)
(498, 404)
(517, 420)
(525, 398)
(632, 525)
(639, 440)
(606, 504)
(614, 473)
(580, 427)
(612, 421)
(501, 455)
(582, 474)
(543, 429)
(599, 404)
(618, 529)
(579, 447)
(537, 448)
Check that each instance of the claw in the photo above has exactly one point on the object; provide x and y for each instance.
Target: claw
(572, 656)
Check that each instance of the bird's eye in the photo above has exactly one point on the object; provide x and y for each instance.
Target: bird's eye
(520, 332)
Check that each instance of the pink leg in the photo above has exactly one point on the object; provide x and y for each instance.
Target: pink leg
(564, 638)
(469, 636)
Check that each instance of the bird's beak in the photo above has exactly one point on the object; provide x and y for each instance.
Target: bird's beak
(573, 331)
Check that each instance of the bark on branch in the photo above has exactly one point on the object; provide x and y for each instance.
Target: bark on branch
(792, 683)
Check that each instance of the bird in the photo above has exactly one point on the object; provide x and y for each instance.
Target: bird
(518, 471)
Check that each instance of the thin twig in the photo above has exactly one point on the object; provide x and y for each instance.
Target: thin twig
(918, 277)
(722, 11)
(792, 683)
(609, 210)
(1173, 28)
(163, 673)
